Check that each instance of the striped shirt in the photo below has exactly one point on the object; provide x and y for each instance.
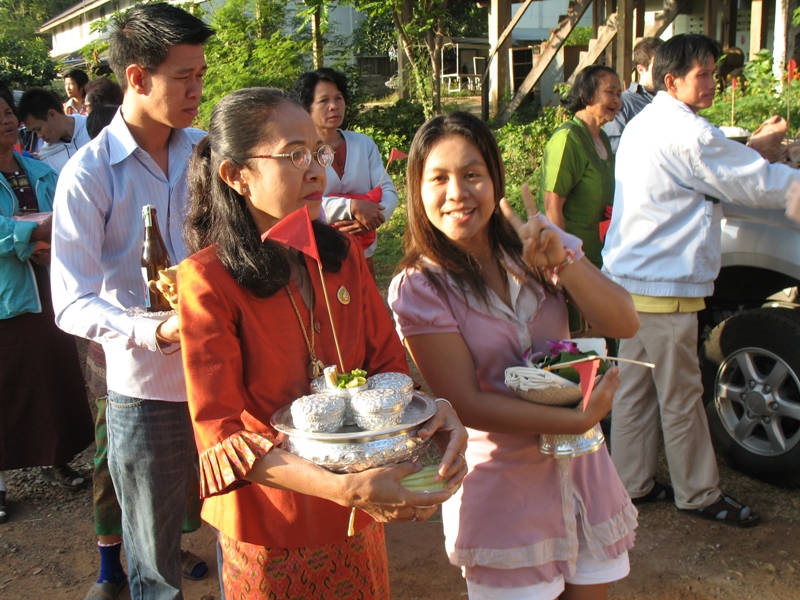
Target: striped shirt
(97, 246)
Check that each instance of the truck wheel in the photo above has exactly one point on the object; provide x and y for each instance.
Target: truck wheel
(751, 374)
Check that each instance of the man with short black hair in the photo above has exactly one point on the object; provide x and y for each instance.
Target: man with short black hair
(42, 113)
(141, 157)
(640, 93)
(673, 169)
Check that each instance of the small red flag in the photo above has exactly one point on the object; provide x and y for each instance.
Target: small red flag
(587, 371)
(792, 68)
(295, 230)
(396, 154)
(733, 83)
(366, 238)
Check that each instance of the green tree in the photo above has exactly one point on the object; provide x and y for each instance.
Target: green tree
(250, 49)
(420, 27)
(25, 62)
(24, 54)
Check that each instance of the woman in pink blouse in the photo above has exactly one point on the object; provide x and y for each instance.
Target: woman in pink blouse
(477, 289)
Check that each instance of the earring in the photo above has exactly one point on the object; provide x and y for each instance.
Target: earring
(244, 190)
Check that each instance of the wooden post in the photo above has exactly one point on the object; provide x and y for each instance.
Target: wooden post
(506, 35)
(639, 25)
(729, 17)
(499, 17)
(710, 18)
(780, 38)
(757, 21)
(598, 16)
(611, 8)
(624, 41)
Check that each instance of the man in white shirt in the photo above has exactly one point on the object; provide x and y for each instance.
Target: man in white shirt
(156, 52)
(43, 114)
(673, 169)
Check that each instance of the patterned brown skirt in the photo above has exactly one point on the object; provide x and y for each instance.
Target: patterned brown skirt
(355, 569)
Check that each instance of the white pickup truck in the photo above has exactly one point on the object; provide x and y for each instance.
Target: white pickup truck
(750, 347)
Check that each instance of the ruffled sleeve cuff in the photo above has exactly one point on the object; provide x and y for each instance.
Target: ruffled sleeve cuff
(223, 466)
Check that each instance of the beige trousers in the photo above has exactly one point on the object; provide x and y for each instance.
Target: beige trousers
(674, 391)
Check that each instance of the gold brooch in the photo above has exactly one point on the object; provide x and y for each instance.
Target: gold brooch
(343, 295)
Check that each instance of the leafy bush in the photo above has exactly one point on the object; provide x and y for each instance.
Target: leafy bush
(391, 126)
(522, 146)
(250, 49)
(580, 36)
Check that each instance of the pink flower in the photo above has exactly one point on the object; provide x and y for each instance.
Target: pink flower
(567, 346)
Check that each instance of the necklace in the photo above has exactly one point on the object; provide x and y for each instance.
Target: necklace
(315, 366)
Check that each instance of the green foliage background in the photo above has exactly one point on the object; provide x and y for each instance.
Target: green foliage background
(25, 55)
(250, 49)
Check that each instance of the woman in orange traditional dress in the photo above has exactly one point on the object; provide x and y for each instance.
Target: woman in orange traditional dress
(249, 334)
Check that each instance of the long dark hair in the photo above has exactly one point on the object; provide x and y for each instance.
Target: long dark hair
(423, 241)
(218, 214)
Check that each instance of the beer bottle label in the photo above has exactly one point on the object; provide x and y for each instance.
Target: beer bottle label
(146, 282)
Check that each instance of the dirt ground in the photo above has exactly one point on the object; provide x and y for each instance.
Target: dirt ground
(48, 549)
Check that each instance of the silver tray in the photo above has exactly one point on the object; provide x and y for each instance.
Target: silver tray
(351, 449)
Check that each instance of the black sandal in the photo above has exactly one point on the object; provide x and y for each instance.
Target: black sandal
(660, 492)
(728, 511)
(65, 476)
(3, 510)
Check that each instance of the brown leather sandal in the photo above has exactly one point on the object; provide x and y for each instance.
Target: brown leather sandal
(661, 492)
(728, 511)
(65, 476)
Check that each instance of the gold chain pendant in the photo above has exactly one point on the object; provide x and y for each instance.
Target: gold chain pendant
(315, 368)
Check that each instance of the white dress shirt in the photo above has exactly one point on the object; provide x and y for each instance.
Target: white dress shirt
(97, 246)
(363, 171)
(673, 168)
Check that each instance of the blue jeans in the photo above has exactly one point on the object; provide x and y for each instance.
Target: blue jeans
(151, 456)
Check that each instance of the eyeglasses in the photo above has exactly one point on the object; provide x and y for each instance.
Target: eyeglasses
(301, 156)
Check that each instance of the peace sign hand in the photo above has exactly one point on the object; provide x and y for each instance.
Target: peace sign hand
(541, 244)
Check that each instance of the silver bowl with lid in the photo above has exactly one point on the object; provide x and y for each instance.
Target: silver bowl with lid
(377, 409)
(318, 412)
(351, 450)
(394, 381)
(320, 386)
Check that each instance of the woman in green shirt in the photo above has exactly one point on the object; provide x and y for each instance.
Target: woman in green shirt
(578, 167)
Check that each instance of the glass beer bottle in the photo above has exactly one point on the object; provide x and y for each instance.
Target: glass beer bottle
(154, 259)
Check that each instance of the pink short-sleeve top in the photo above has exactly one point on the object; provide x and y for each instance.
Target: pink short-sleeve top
(513, 522)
